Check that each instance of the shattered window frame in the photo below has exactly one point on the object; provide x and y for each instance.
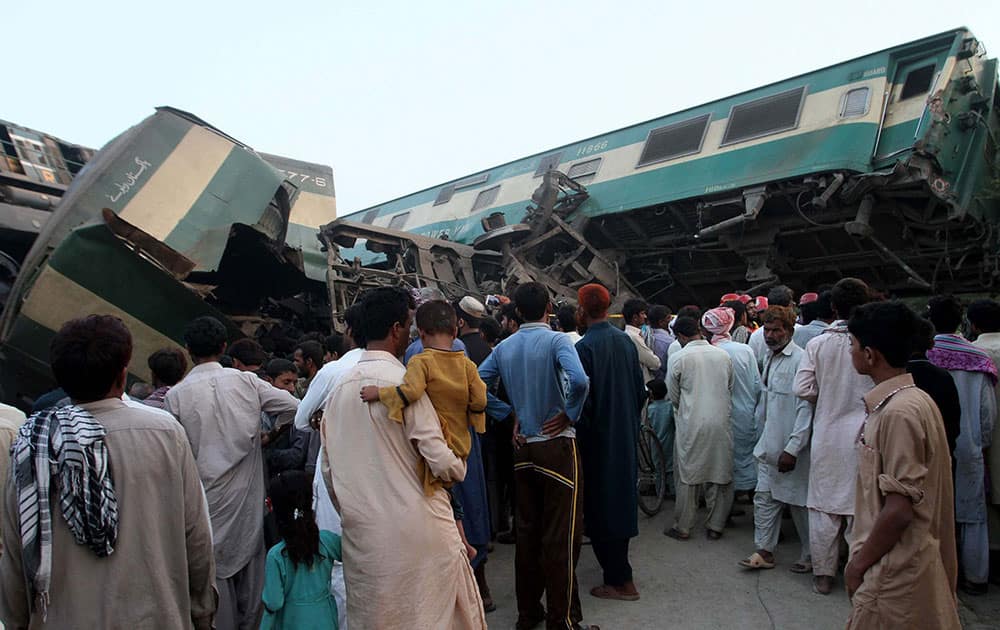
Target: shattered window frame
(925, 73)
(548, 163)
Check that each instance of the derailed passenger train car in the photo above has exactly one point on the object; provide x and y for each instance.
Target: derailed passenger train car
(883, 167)
(172, 219)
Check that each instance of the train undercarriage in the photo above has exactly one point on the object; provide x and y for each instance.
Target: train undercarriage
(899, 229)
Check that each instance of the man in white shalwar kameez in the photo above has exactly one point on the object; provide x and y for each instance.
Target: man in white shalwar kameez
(404, 562)
(827, 378)
(700, 386)
(783, 449)
(780, 295)
(746, 391)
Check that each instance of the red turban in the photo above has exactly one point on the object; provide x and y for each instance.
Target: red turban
(807, 298)
(761, 303)
(594, 300)
(745, 298)
(729, 297)
(719, 321)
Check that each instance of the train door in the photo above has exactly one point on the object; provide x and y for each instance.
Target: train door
(912, 81)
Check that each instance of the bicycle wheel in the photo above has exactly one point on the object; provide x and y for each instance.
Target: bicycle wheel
(652, 477)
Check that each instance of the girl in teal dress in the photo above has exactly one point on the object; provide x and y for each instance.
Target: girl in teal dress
(297, 576)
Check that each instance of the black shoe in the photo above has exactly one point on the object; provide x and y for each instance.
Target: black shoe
(529, 623)
(973, 588)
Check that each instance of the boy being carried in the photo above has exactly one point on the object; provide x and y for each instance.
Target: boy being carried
(451, 382)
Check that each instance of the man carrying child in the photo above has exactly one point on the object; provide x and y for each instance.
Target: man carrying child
(453, 385)
(407, 566)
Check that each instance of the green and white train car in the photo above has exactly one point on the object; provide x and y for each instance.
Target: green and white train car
(881, 166)
(171, 220)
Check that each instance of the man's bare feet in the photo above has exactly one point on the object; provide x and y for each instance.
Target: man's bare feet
(823, 584)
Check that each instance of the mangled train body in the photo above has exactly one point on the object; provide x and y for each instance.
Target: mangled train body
(170, 220)
(882, 166)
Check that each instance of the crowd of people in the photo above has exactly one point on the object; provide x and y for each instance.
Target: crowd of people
(362, 479)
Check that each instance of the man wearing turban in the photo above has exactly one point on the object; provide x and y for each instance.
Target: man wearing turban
(700, 385)
(607, 438)
(746, 390)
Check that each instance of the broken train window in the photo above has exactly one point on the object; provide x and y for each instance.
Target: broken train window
(917, 82)
(548, 163)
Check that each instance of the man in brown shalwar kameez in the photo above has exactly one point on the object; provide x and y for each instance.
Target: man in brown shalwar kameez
(161, 573)
(903, 566)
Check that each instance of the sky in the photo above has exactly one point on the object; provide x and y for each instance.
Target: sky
(399, 96)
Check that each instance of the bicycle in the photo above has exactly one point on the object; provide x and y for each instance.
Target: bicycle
(652, 477)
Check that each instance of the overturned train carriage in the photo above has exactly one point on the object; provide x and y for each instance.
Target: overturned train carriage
(883, 167)
(172, 219)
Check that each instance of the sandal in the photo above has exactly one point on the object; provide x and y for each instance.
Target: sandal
(712, 534)
(605, 591)
(756, 561)
(676, 534)
(800, 567)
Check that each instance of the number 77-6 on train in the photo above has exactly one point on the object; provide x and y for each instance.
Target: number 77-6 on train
(883, 166)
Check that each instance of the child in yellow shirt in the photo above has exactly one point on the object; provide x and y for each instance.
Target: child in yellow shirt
(451, 382)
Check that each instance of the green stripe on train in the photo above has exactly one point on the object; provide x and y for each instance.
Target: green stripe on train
(304, 238)
(239, 192)
(114, 273)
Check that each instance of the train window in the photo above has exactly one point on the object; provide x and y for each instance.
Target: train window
(917, 82)
(370, 216)
(673, 141)
(469, 182)
(486, 198)
(445, 195)
(855, 103)
(764, 116)
(584, 171)
(398, 222)
(73, 157)
(548, 163)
